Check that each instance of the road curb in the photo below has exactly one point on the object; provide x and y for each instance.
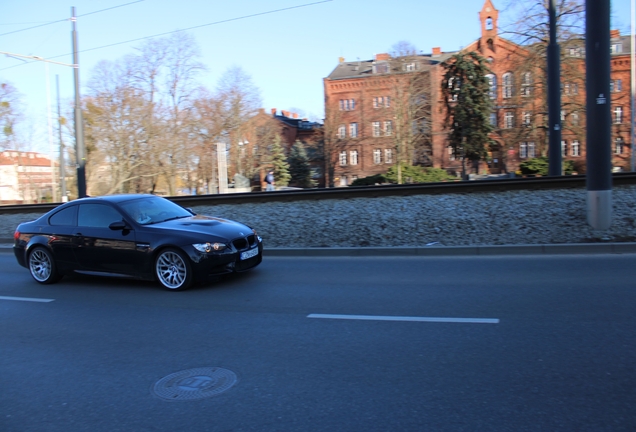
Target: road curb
(540, 249)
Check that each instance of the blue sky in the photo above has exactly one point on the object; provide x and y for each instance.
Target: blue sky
(287, 53)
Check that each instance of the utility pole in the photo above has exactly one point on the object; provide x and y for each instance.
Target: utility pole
(64, 198)
(599, 157)
(555, 165)
(79, 125)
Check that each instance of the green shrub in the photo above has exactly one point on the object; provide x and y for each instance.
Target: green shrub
(540, 165)
(370, 180)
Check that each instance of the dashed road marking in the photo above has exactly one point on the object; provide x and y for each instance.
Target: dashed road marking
(407, 318)
(27, 299)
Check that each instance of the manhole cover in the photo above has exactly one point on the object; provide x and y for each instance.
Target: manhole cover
(194, 384)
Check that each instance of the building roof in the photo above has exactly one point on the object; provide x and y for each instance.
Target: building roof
(367, 68)
(22, 158)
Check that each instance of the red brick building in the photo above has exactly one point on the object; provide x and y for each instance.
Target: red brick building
(360, 105)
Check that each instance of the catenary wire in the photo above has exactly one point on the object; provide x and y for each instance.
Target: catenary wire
(179, 30)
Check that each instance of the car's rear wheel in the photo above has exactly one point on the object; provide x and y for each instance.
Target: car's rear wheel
(42, 266)
(173, 270)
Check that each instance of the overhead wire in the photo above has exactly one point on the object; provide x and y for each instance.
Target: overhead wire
(66, 19)
(179, 30)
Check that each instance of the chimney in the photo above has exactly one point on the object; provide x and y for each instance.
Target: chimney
(437, 51)
(615, 34)
(341, 60)
(261, 110)
(294, 115)
(274, 111)
(383, 56)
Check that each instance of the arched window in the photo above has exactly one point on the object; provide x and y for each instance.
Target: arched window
(488, 23)
(492, 86)
(508, 85)
(491, 45)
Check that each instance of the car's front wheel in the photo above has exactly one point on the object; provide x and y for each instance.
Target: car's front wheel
(42, 266)
(173, 270)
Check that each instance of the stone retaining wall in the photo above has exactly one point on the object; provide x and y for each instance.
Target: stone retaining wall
(484, 218)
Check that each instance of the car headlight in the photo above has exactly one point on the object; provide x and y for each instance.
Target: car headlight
(257, 236)
(209, 247)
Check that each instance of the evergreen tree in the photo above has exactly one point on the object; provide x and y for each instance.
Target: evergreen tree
(279, 163)
(299, 168)
(468, 106)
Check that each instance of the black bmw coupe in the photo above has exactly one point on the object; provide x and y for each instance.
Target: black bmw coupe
(141, 236)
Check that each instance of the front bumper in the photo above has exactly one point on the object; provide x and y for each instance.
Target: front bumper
(207, 266)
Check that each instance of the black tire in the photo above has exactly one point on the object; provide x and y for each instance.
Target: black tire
(173, 270)
(42, 266)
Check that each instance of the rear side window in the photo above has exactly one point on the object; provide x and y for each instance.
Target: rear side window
(65, 217)
(97, 215)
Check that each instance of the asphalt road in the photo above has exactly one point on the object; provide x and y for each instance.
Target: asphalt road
(531, 343)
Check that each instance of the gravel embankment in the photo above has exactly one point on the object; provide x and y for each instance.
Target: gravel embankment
(475, 219)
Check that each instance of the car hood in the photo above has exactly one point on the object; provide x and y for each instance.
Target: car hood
(208, 226)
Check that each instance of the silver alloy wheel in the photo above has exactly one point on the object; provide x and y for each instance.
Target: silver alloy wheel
(41, 265)
(171, 270)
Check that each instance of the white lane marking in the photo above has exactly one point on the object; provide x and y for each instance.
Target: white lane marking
(27, 299)
(405, 318)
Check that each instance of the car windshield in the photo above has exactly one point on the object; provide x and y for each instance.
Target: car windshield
(151, 210)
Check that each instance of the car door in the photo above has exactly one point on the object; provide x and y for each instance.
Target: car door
(98, 248)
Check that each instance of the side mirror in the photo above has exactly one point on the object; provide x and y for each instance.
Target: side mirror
(117, 226)
(191, 211)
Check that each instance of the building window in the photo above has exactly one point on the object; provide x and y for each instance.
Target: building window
(492, 86)
(618, 115)
(381, 102)
(343, 180)
(526, 150)
(576, 148)
(342, 131)
(575, 52)
(377, 156)
(451, 153)
(347, 104)
(388, 156)
(509, 120)
(562, 115)
(527, 118)
(353, 157)
(353, 130)
(409, 67)
(388, 128)
(526, 84)
(616, 86)
(488, 23)
(493, 119)
(616, 48)
(343, 158)
(571, 88)
(618, 146)
(508, 85)
(574, 118)
(376, 128)
(564, 148)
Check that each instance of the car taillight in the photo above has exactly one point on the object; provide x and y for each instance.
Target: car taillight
(16, 235)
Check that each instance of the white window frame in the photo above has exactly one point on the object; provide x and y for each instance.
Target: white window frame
(451, 153)
(353, 157)
(508, 85)
(564, 148)
(377, 156)
(526, 84)
(343, 158)
(492, 86)
(353, 130)
(388, 156)
(388, 128)
(494, 121)
(376, 128)
(523, 150)
(527, 118)
(575, 148)
(618, 146)
(532, 150)
(509, 119)
(342, 132)
(618, 115)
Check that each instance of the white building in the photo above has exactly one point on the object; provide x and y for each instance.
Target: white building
(26, 177)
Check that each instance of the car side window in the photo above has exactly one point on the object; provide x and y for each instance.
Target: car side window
(65, 217)
(97, 215)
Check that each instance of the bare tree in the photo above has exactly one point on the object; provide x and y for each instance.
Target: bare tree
(10, 114)
(240, 100)
(411, 99)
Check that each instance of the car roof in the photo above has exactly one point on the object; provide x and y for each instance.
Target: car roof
(117, 198)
